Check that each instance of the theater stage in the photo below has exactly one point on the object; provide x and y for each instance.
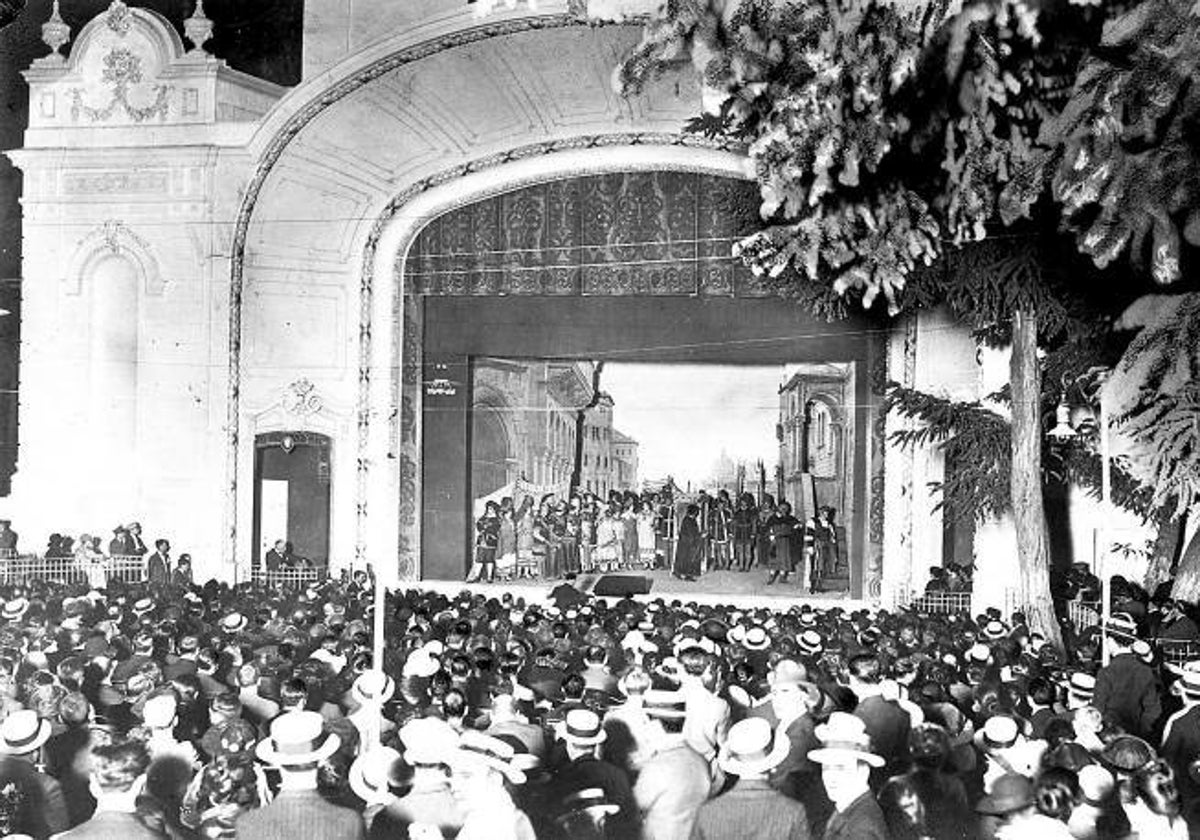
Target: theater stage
(741, 589)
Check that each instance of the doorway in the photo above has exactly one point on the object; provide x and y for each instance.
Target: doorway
(291, 494)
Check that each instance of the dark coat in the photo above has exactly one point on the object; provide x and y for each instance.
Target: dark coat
(751, 810)
(888, 726)
(1181, 745)
(1127, 694)
(302, 813)
(157, 570)
(689, 549)
(586, 772)
(863, 820)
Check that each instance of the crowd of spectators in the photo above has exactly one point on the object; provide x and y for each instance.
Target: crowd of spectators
(257, 711)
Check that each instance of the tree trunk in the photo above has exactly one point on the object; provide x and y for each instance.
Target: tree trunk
(1187, 576)
(1166, 546)
(1029, 515)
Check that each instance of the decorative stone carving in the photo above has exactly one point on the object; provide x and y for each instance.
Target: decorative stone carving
(301, 399)
(118, 18)
(198, 29)
(122, 69)
(55, 34)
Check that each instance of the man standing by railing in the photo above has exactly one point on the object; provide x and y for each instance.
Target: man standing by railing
(158, 566)
(8, 539)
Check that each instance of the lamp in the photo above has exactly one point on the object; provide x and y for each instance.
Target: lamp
(287, 444)
(1063, 430)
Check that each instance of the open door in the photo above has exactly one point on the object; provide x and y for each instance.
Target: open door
(291, 494)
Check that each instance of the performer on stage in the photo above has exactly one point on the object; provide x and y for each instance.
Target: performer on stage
(762, 538)
(745, 520)
(719, 530)
(690, 549)
(781, 534)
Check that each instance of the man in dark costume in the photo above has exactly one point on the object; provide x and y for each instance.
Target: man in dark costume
(781, 537)
(689, 550)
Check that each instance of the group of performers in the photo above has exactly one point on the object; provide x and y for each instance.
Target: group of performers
(689, 535)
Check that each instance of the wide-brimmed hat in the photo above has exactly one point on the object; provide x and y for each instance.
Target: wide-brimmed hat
(843, 737)
(13, 610)
(999, 732)
(373, 687)
(752, 748)
(476, 748)
(297, 738)
(427, 740)
(583, 728)
(23, 732)
(1127, 754)
(1189, 680)
(373, 775)
(142, 606)
(789, 672)
(756, 639)
(1011, 792)
(994, 631)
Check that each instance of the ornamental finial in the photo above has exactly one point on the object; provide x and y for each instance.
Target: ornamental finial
(55, 33)
(198, 28)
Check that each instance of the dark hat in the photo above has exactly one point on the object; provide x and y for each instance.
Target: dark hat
(1011, 792)
(1127, 754)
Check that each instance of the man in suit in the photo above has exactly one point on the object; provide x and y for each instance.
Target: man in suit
(846, 763)
(296, 745)
(1127, 690)
(158, 565)
(674, 781)
(121, 545)
(751, 809)
(887, 724)
(22, 736)
(278, 558)
(118, 777)
(138, 547)
(582, 734)
(1181, 738)
(8, 538)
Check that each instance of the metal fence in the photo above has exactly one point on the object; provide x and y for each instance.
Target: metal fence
(97, 573)
(941, 603)
(1084, 614)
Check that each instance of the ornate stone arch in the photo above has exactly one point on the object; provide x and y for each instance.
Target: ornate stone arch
(113, 237)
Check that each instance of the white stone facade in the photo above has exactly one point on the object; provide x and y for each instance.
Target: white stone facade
(198, 242)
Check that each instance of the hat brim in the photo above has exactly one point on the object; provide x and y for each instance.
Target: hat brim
(739, 767)
(267, 754)
(748, 645)
(43, 735)
(513, 774)
(981, 741)
(838, 755)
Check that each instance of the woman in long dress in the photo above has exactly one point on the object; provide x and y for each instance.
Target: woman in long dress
(689, 550)
(646, 536)
(506, 547)
(609, 532)
(525, 523)
(91, 561)
(629, 535)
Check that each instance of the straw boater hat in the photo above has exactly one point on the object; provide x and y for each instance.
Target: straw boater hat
(999, 733)
(844, 737)
(143, 606)
(751, 748)
(1122, 627)
(592, 801)
(756, 639)
(14, 609)
(234, 623)
(427, 740)
(1081, 686)
(583, 728)
(810, 642)
(373, 774)
(664, 705)
(994, 631)
(297, 738)
(477, 749)
(23, 732)
(1188, 684)
(373, 687)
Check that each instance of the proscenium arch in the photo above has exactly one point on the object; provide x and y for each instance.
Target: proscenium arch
(397, 229)
(561, 119)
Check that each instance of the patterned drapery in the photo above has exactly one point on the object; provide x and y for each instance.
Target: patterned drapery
(640, 233)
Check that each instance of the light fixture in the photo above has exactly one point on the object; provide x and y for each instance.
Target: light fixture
(288, 443)
(1062, 423)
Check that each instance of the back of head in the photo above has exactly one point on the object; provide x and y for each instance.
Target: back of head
(116, 766)
(1056, 792)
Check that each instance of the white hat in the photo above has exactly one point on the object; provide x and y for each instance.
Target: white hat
(234, 623)
(142, 606)
(14, 609)
(476, 748)
(583, 728)
(23, 732)
(160, 710)
(373, 687)
(370, 775)
(1081, 685)
(751, 748)
(756, 639)
(297, 738)
(844, 737)
(427, 740)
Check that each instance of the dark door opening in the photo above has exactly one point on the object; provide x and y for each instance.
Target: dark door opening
(291, 494)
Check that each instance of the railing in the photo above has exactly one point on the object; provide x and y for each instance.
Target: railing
(98, 573)
(941, 603)
(1178, 652)
(1083, 614)
(294, 577)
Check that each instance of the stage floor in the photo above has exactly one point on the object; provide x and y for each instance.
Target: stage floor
(741, 589)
